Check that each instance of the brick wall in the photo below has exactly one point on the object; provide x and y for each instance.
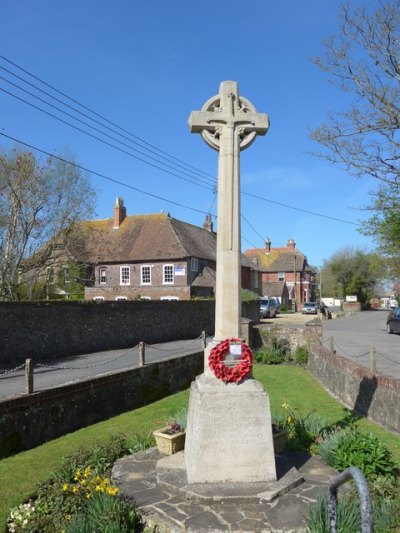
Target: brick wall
(375, 396)
(47, 330)
(30, 420)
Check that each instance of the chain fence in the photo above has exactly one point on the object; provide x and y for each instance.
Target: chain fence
(29, 366)
(372, 353)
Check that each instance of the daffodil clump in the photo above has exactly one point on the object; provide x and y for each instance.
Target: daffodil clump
(303, 429)
(86, 482)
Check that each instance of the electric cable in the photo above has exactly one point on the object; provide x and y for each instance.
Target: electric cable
(199, 184)
(103, 176)
(101, 116)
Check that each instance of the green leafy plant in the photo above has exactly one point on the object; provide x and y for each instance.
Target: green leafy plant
(367, 452)
(99, 458)
(304, 429)
(348, 516)
(301, 355)
(104, 513)
(177, 421)
(21, 518)
(269, 356)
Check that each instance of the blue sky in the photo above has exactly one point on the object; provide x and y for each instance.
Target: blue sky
(147, 65)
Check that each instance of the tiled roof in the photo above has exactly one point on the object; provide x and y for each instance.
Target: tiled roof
(146, 238)
(205, 278)
(278, 259)
(273, 288)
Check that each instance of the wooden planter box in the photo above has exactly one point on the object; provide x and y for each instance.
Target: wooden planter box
(169, 444)
(280, 439)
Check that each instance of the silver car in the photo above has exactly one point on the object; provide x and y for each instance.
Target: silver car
(268, 308)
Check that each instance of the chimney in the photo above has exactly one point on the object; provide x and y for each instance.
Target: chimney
(208, 224)
(119, 212)
(267, 246)
(291, 244)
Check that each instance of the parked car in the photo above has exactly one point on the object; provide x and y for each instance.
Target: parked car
(309, 308)
(393, 321)
(393, 303)
(267, 308)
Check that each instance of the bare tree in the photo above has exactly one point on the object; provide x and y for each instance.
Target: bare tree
(364, 61)
(39, 203)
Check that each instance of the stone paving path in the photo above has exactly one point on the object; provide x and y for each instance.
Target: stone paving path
(136, 477)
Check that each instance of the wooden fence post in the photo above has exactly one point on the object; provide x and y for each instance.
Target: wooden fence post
(372, 360)
(331, 345)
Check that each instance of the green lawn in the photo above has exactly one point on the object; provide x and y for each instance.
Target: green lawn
(20, 473)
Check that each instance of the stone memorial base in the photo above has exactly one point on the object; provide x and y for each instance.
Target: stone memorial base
(229, 432)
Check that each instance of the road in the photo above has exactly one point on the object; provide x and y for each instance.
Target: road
(355, 335)
(72, 369)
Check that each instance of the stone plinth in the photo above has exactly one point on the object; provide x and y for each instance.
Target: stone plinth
(229, 433)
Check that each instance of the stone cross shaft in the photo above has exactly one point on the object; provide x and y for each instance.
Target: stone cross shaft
(228, 123)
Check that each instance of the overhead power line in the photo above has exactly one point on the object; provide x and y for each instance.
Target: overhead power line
(197, 182)
(105, 142)
(103, 176)
(300, 209)
(101, 116)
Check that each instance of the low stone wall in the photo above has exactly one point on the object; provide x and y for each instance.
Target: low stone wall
(30, 420)
(375, 396)
(48, 330)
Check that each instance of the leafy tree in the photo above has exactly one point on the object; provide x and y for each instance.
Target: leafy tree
(350, 271)
(363, 60)
(39, 203)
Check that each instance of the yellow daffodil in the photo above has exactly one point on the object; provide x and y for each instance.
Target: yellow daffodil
(285, 406)
(65, 487)
(290, 420)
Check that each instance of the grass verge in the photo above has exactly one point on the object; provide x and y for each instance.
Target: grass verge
(20, 474)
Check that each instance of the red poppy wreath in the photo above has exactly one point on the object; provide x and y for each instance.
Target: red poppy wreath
(221, 370)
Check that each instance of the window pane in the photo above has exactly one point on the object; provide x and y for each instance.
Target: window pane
(146, 275)
(125, 275)
(103, 276)
(168, 273)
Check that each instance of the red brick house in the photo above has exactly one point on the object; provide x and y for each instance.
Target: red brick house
(286, 264)
(155, 257)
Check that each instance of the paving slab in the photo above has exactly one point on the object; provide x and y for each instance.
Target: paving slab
(174, 510)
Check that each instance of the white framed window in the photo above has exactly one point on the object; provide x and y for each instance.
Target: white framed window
(281, 276)
(145, 275)
(194, 264)
(98, 298)
(125, 275)
(168, 274)
(103, 276)
(120, 298)
(67, 275)
(169, 298)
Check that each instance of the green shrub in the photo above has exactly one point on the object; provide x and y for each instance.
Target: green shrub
(269, 356)
(301, 355)
(275, 349)
(348, 447)
(367, 452)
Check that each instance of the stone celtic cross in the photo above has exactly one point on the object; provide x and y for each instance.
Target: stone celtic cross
(228, 123)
